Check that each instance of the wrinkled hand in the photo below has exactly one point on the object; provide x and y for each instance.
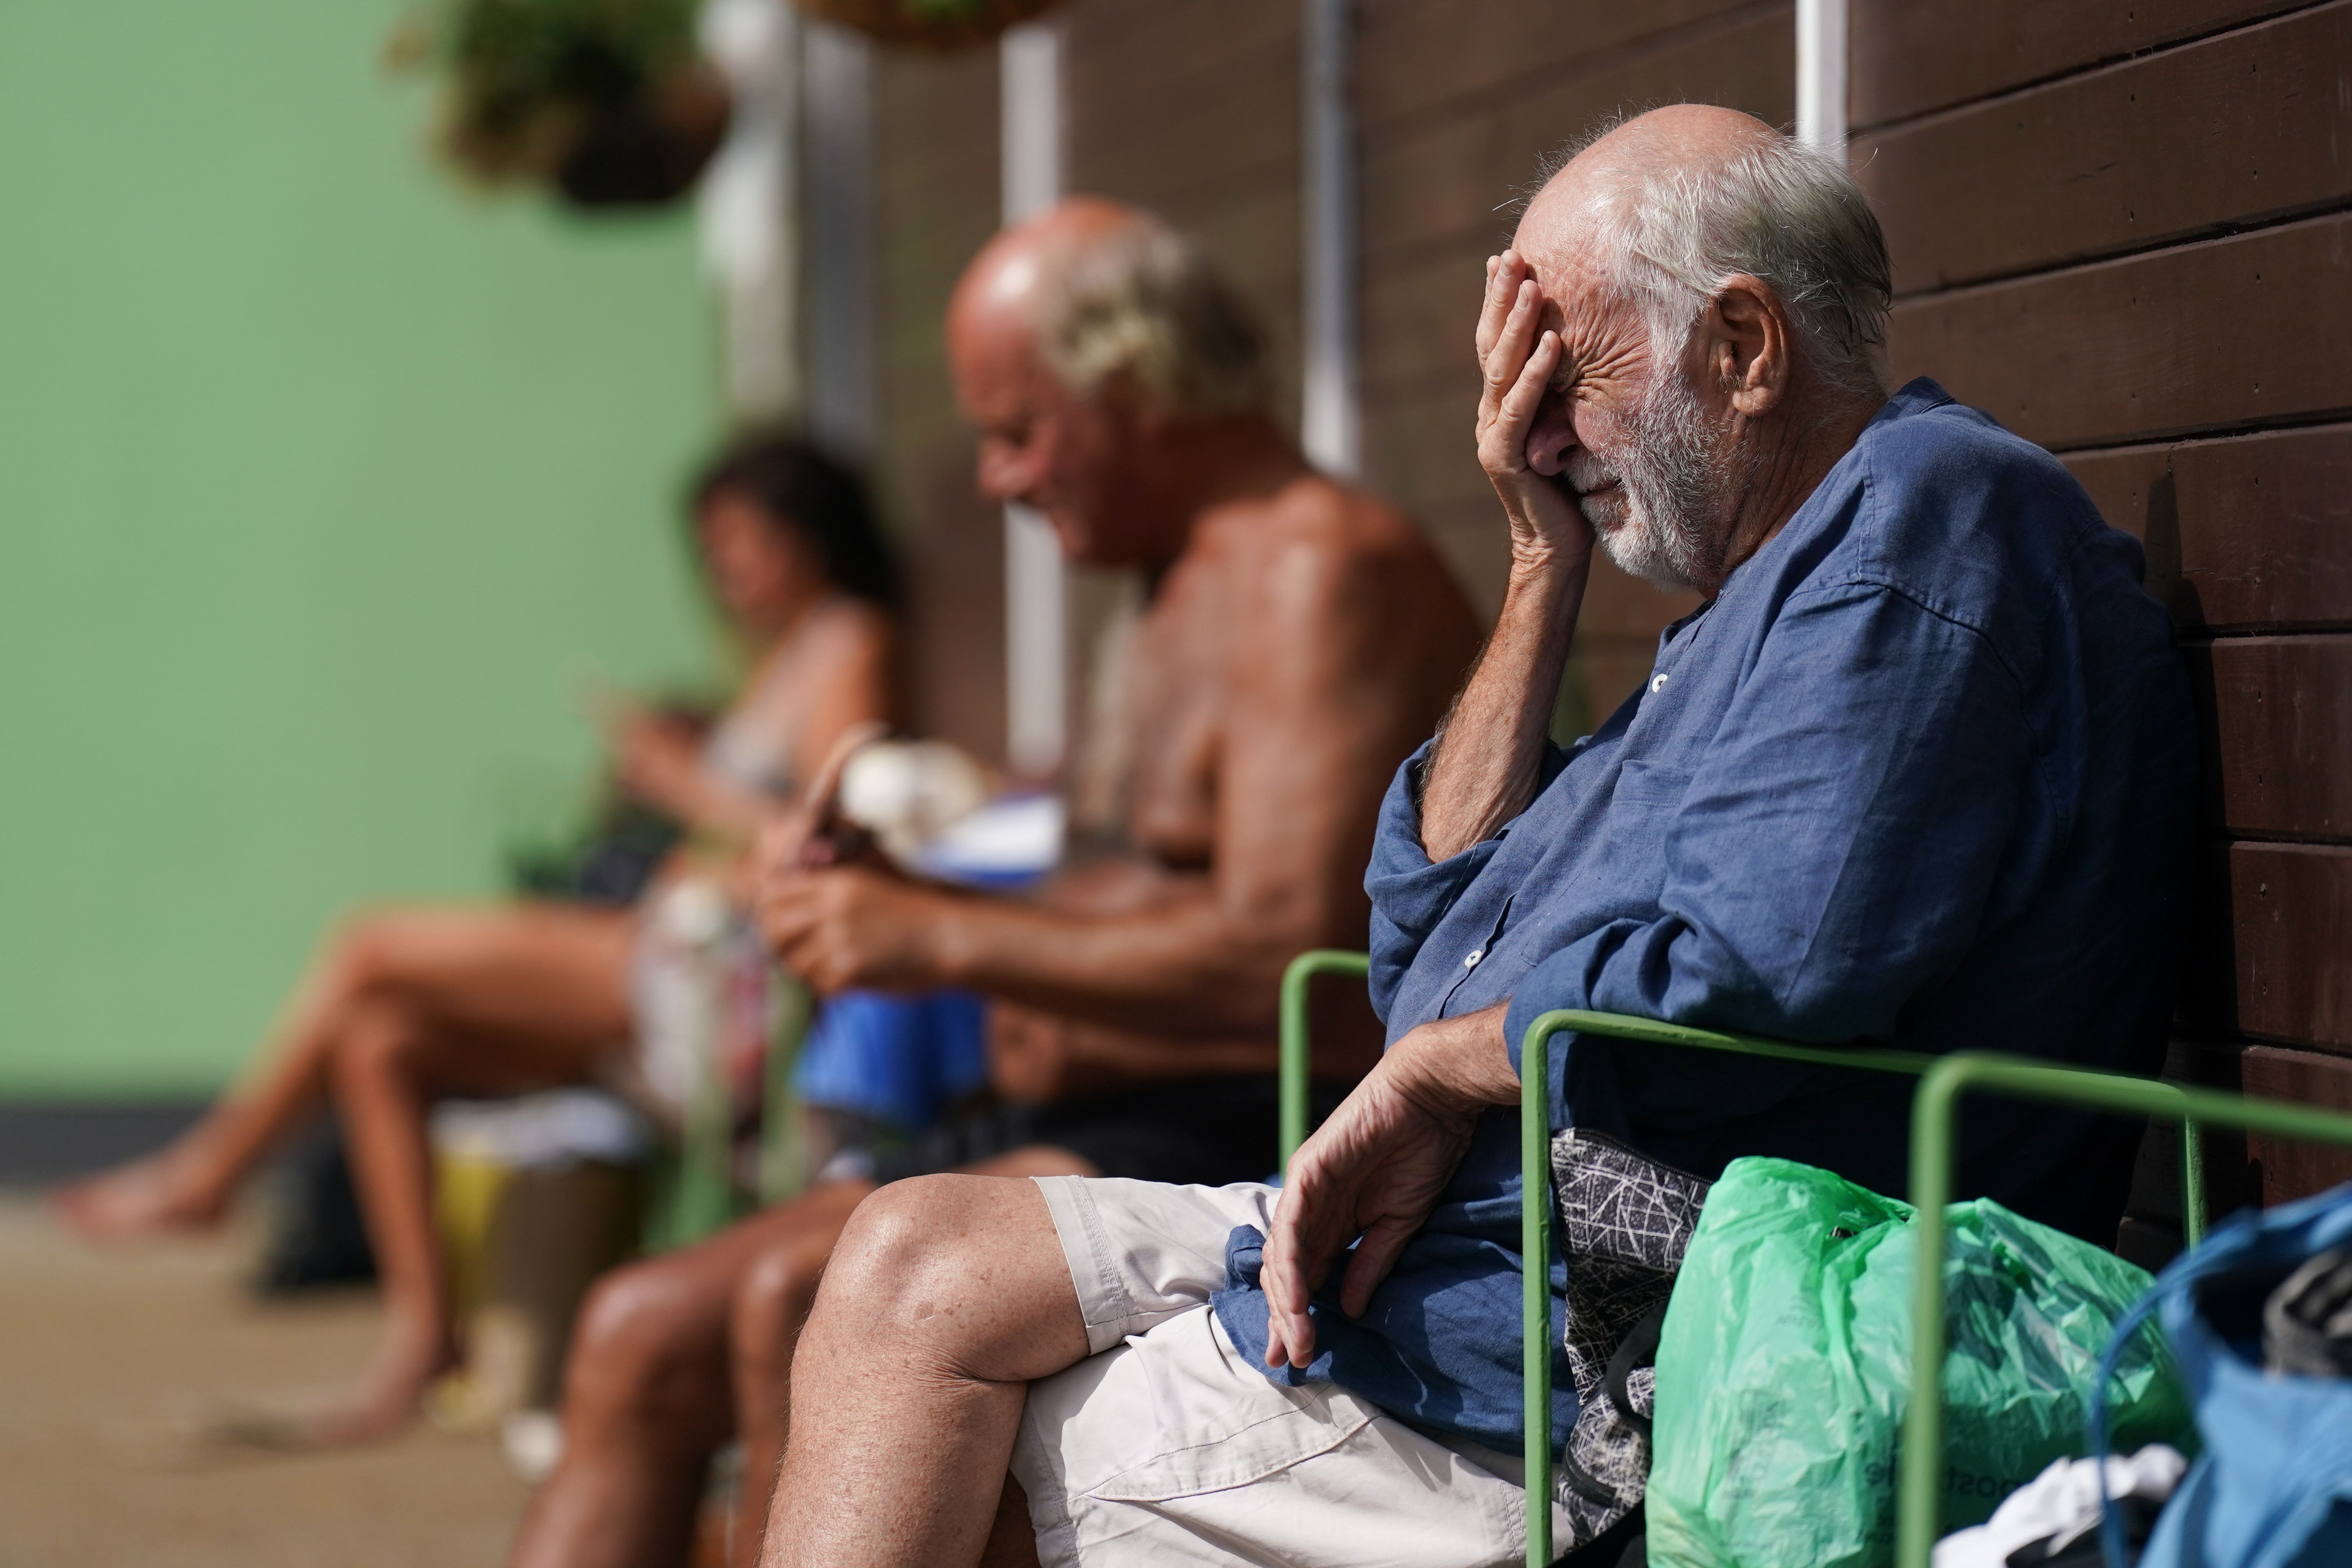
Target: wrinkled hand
(1375, 1169)
(843, 926)
(1517, 362)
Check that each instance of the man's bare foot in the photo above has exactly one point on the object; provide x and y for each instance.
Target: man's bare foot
(156, 1196)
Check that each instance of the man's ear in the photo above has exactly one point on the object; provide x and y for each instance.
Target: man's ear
(1749, 345)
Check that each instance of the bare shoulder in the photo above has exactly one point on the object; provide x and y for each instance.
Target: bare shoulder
(1317, 547)
(854, 626)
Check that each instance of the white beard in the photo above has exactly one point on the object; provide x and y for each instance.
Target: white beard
(1661, 521)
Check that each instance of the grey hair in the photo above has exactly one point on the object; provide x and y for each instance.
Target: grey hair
(1148, 302)
(1777, 211)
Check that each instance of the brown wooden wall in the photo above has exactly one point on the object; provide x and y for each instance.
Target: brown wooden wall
(2125, 229)
(1454, 118)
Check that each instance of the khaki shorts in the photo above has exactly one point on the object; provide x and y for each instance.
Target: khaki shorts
(1167, 1446)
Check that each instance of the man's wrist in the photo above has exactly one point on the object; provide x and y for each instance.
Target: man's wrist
(1549, 559)
(945, 938)
(1457, 1067)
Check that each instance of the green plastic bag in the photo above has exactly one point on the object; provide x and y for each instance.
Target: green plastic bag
(1784, 1367)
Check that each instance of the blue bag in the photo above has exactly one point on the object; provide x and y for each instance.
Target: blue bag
(2273, 1488)
(900, 1060)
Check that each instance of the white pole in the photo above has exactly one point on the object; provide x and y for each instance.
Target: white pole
(840, 87)
(1036, 614)
(1821, 74)
(1329, 416)
(749, 204)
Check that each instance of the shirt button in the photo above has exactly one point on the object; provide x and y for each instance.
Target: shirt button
(1472, 961)
(1655, 682)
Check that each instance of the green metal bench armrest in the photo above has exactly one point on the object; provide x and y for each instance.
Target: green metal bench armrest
(1935, 1118)
(1296, 1066)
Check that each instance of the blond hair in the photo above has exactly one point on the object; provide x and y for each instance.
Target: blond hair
(1147, 303)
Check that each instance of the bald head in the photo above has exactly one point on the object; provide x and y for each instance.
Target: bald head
(1669, 206)
(1100, 290)
(999, 291)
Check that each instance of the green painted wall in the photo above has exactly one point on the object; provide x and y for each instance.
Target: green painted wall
(325, 487)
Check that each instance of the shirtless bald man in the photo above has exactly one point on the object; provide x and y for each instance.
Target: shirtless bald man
(1298, 640)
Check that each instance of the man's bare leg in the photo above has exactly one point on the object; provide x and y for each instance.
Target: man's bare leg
(945, 1298)
(771, 1305)
(649, 1396)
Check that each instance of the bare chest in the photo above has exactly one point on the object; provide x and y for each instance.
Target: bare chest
(1177, 702)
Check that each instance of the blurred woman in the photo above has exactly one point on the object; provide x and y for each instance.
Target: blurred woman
(412, 1006)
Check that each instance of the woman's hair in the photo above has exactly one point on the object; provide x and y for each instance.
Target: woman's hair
(800, 487)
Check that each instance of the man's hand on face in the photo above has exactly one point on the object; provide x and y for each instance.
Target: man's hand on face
(1375, 1169)
(1518, 359)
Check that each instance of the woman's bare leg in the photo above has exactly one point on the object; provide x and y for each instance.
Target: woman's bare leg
(187, 1185)
(408, 1008)
(540, 968)
(452, 1003)
(647, 1394)
(945, 1298)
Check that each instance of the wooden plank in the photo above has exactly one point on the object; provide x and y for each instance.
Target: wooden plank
(1420, 323)
(1416, 57)
(2242, 126)
(1906, 59)
(2272, 952)
(1137, 38)
(2276, 714)
(1441, 177)
(1419, 451)
(2245, 533)
(1156, 143)
(2289, 1169)
(2228, 332)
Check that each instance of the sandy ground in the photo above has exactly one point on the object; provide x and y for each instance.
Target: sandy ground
(111, 1365)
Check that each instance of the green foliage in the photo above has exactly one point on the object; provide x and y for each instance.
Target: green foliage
(523, 74)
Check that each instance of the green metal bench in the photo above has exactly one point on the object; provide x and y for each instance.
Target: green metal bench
(1934, 1115)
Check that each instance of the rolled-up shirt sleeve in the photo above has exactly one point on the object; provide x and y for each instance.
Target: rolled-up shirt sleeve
(1410, 893)
(1837, 850)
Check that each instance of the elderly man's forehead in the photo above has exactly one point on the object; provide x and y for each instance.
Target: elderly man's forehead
(1560, 225)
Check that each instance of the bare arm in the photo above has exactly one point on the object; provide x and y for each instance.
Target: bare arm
(858, 690)
(663, 763)
(1319, 681)
(1483, 771)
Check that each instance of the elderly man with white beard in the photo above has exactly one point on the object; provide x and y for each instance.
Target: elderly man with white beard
(1918, 773)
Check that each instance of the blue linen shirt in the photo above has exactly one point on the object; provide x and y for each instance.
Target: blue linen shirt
(1921, 775)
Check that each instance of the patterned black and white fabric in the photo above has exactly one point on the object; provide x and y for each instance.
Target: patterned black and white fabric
(1621, 1223)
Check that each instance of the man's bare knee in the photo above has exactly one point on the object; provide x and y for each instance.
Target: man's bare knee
(641, 1343)
(966, 1269)
(890, 1249)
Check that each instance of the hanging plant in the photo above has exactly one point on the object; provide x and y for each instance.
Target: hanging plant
(606, 102)
(938, 26)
